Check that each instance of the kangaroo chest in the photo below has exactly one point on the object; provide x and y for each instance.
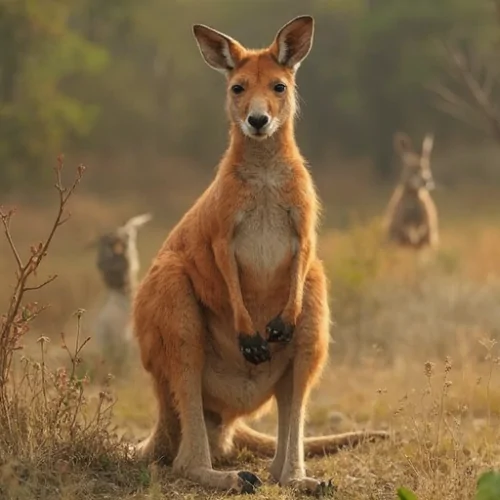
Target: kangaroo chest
(413, 211)
(264, 238)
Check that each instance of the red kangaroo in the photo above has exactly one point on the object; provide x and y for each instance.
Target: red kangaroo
(233, 310)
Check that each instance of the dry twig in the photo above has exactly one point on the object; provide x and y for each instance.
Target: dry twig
(15, 322)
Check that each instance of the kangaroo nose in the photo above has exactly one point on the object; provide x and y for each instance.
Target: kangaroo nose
(258, 121)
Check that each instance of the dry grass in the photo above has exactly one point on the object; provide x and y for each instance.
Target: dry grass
(414, 351)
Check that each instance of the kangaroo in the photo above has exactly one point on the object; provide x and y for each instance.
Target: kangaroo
(411, 217)
(118, 264)
(234, 310)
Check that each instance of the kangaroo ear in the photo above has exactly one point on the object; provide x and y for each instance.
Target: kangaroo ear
(293, 41)
(402, 143)
(219, 51)
(427, 145)
(138, 220)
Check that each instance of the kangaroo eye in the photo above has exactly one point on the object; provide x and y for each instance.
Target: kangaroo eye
(237, 89)
(280, 87)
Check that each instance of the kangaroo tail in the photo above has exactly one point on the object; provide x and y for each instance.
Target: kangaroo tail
(264, 445)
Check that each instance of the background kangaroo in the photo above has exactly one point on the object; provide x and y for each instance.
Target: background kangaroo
(118, 264)
(411, 217)
(234, 309)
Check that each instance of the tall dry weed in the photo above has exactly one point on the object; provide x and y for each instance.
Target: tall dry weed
(51, 420)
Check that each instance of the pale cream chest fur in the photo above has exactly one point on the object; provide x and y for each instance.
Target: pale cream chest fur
(264, 238)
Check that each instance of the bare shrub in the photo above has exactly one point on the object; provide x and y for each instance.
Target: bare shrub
(48, 417)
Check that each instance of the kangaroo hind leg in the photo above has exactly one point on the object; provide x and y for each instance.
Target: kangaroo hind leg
(292, 393)
(171, 332)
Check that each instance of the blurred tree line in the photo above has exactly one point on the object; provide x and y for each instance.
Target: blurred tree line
(108, 76)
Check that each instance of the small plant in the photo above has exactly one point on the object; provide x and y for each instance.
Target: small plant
(406, 494)
(488, 486)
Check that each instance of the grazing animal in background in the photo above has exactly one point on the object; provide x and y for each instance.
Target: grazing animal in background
(234, 310)
(411, 216)
(118, 265)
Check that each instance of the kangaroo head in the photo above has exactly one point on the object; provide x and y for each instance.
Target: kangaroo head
(260, 83)
(416, 172)
(117, 255)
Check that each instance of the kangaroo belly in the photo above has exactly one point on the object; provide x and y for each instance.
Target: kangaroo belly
(234, 388)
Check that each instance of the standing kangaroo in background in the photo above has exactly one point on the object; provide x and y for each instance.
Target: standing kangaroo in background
(234, 308)
(118, 264)
(118, 257)
(411, 217)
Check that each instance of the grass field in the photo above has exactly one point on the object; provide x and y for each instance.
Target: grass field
(414, 352)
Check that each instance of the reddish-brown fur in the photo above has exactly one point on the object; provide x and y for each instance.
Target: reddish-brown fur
(411, 216)
(242, 256)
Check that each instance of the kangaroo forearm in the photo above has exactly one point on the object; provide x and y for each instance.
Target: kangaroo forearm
(300, 268)
(228, 267)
